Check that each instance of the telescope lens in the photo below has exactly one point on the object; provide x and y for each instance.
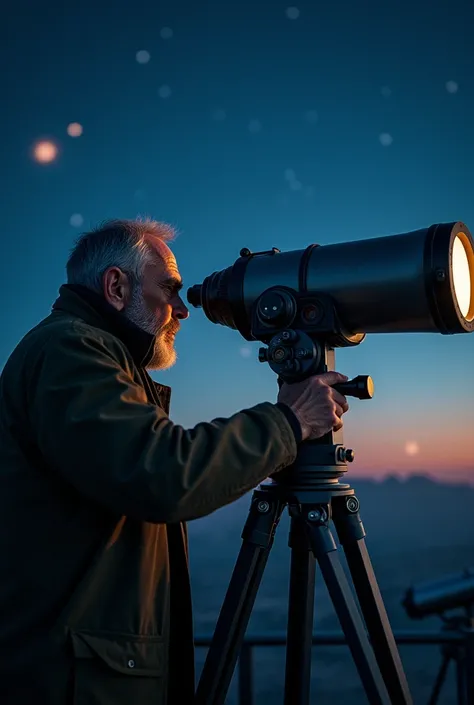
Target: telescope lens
(462, 277)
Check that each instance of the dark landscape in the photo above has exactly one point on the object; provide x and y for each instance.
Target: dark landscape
(417, 530)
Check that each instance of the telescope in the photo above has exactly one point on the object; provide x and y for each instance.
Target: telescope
(438, 596)
(420, 281)
(303, 305)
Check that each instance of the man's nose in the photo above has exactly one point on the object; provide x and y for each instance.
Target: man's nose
(182, 311)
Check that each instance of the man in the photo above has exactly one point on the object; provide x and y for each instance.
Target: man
(97, 483)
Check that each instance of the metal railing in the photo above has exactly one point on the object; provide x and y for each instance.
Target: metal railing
(245, 663)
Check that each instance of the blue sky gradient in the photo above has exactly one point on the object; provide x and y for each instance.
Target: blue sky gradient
(367, 106)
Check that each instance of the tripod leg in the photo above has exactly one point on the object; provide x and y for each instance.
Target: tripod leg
(469, 662)
(300, 617)
(351, 535)
(234, 616)
(460, 681)
(325, 551)
(440, 678)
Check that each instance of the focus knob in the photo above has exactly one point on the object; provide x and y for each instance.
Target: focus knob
(345, 455)
(349, 455)
(276, 308)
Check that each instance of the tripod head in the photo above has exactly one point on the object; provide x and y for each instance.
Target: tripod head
(295, 354)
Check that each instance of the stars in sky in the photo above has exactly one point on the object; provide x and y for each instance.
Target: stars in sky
(143, 56)
(292, 13)
(45, 151)
(76, 220)
(74, 129)
(164, 91)
(385, 139)
(254, 126)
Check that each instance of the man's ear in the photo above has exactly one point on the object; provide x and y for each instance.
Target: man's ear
(116, 288)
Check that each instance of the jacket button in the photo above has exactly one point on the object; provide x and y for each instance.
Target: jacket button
(131, 663)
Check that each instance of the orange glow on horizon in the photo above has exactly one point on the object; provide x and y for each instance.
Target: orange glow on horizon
(435, 446)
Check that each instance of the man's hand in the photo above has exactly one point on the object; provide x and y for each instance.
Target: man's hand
(317, 406)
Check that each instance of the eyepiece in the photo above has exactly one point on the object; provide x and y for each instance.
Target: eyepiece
(215, 297)
(194, 295)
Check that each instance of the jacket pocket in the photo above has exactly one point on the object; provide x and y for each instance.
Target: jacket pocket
(118, 669)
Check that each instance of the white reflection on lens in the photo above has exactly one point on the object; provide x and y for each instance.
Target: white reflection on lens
(461, 276)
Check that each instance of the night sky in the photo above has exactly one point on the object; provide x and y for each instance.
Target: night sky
(249, 124)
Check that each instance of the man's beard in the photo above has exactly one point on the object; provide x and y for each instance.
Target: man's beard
(164, 353)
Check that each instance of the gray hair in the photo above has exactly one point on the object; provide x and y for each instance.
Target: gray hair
(126, 244)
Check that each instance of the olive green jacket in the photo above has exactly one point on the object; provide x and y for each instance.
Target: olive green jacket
(96, 484)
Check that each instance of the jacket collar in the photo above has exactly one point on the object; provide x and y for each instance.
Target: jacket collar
(92, 308)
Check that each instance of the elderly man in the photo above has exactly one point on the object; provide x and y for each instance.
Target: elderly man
(97, 483)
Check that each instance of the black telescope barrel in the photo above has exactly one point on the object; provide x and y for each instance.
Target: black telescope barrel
(437, 596)
(405, 283)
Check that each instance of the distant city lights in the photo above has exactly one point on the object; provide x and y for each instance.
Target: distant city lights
(45, 151)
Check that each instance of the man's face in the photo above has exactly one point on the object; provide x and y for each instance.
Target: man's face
(157, 306)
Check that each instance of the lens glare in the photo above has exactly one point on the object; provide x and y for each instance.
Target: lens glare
(461, 276)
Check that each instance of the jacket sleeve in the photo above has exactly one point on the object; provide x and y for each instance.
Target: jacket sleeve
(95, 428)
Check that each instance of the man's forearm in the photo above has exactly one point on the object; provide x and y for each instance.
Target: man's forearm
(104, 437)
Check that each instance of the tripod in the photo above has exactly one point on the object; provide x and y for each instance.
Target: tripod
(462, 654)
(311, 491)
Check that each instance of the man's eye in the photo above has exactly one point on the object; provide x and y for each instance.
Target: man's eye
(170, 290)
